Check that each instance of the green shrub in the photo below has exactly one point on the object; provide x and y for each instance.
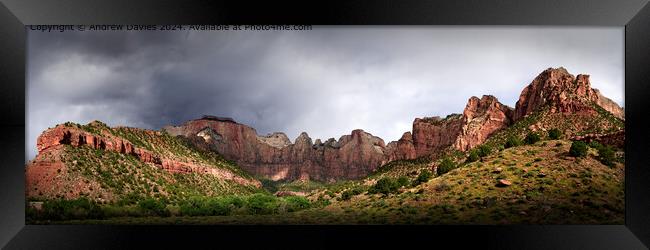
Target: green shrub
(445, 166)
(595, 145)
(346, 195)
(473, 156)
(321, 202)
(554, 134)
(234, 201)
(484, 150)
(578, 149)
(402, 181)
(531, 138)
(424, 176)
(153, 207)
(262, 204)
(81, 208)
(606, 155)
(217, 206)
(194, 206)
(512, 141)
(295, 203)
(385, 186)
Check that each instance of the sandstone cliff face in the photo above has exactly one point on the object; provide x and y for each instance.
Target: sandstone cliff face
(562, 93)
(481, 118)
(352, 156)
(401, 149)
(62, 135)
(273, 156)
(431, 134)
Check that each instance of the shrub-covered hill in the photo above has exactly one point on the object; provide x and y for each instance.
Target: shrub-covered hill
(538, 184)
(124, 165)
(544, 185)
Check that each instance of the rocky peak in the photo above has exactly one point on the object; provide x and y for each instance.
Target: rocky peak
(481, 118)
(303, 138)
(562, 93)
(488, 104)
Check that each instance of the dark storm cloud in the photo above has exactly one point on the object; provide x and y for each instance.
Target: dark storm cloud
(327, 81)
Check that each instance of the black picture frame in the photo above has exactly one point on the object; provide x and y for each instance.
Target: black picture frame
(634, 15)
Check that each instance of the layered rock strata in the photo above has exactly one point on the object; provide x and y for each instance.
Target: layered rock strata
(52, 140)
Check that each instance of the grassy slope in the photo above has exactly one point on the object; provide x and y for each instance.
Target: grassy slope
(571, 191)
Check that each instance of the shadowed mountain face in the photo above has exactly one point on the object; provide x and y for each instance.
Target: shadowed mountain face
(360, 153)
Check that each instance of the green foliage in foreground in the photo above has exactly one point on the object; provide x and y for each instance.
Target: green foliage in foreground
(385, 186)
(153, 207)
(512, 141)
(554, 134)
(445, 166)
(347, 194)
(258, 203)
(473, 156)
(484, 150)
(578, 149)
(83, 208)
(607, 156)
(423, 177)
(532, 138)
(606, 153)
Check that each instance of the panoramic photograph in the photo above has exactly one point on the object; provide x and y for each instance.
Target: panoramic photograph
(463, 125)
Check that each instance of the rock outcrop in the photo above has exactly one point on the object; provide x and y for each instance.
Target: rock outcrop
(401, 149)
(431, 134)
(560, 91)
(352, 156)
(273, 156)
(64, 135)
(53, 139)
(616, 139)
(481, 118)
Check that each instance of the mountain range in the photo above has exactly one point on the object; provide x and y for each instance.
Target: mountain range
(216, 156)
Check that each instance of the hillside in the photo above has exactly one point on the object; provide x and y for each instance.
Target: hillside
(126, 165)
(548, 186)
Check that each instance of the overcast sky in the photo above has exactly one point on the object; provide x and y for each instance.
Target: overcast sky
(326, 82)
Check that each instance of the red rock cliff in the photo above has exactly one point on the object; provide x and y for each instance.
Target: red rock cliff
(352, 156)
(481, 118)
(562, 93)
(273, 156)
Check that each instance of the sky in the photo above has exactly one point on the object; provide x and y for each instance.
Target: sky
(326, 81)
